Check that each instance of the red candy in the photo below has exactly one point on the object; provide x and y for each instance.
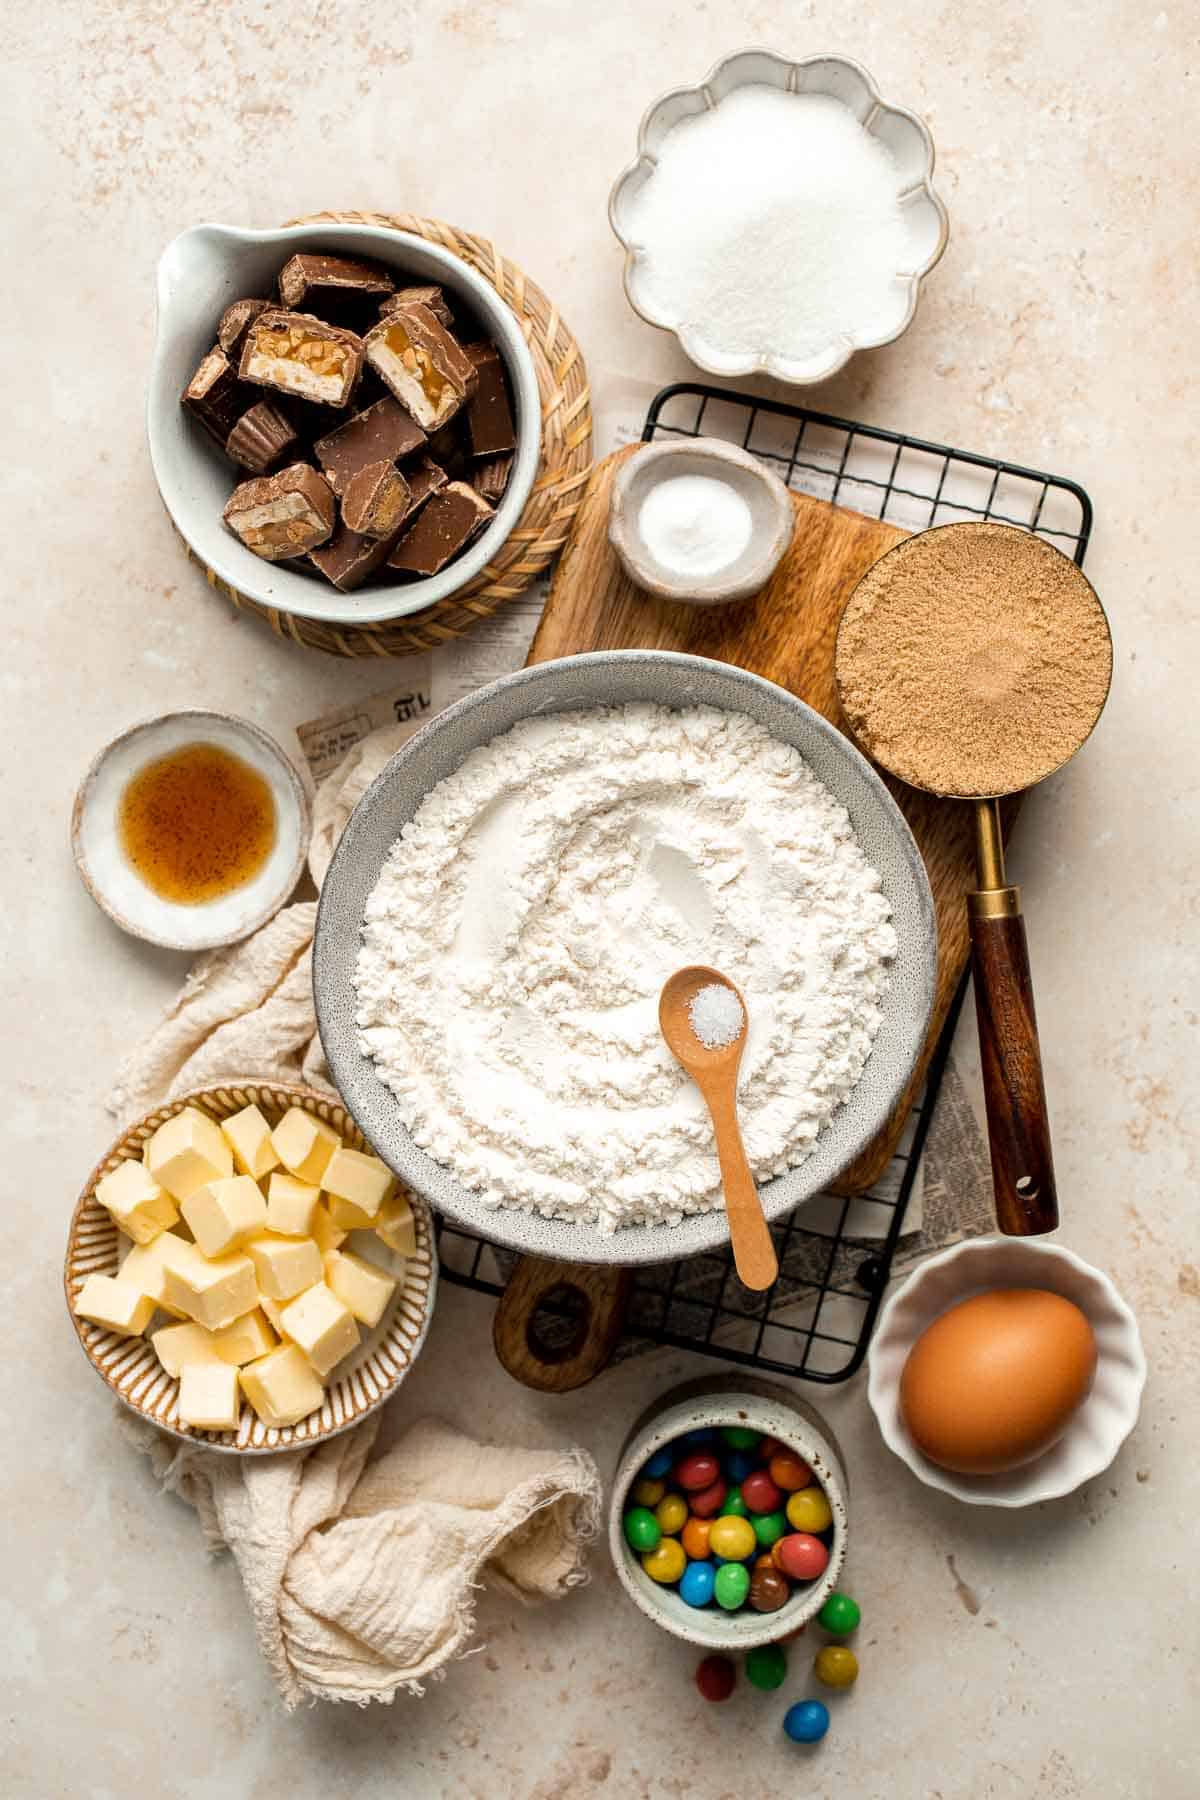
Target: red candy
(760, 1493)
(697, 1471)
(709, 1501)
(715, 1677)
(767, 1448)
(800, 1555)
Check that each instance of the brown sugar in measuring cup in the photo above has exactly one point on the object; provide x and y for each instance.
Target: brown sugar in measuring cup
(972, 661)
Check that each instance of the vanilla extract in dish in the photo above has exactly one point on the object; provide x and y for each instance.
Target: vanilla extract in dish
(197, 823)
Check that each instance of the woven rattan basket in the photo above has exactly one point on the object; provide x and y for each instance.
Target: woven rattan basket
(562, 473)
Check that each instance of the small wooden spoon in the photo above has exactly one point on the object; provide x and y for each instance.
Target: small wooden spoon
(715, 1073)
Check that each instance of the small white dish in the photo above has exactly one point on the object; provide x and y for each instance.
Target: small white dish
(117, 888)
(772, 520)
(1098, 1428)
(902, 133)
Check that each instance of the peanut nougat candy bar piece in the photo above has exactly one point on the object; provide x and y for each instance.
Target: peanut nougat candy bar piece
(350, 557)
(376, 502)
(215, 397)
(489, 415)
(300, 275)
(446, 524)
(424, 366)
(430, 297)
(491, 477)
(236, 321)
(383, 433)
(262, 439)
(303, 356)
(282, 515)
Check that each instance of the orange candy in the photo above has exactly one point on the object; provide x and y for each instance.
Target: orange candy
(789, 1472)
(695, 1539)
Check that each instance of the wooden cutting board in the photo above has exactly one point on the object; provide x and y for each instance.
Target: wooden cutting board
(786, 633)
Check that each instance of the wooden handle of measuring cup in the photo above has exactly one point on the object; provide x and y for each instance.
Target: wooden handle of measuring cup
(557, 1324)
(1015, 1094)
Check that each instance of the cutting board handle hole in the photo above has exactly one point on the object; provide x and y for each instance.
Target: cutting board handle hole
(559, 1323)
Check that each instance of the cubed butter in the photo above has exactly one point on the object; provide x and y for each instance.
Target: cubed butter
(348, 1216)
(143, 1267)
(291, 1205)
(363, 1180)
(321, 1325)
(187, 1153)
(272, 1311)
(209, 1396)
(304, 1144)
(396, 1225)
(116, 1305)
(249, 1137)
(225, 1213)
(212, 1291)
(136, 1201)
(361, 1287)
(246, 1339)
(283, 1388)
(325, 1234)
(178, 1345)
(285, 1266)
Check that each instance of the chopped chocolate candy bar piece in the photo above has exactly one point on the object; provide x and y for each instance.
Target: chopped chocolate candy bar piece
(446, 525)
(424, 477)
(383, 433)
(235, 322)
(421, 363)
(282, 515)
(376, 501)
(262, 439)
(449, 447)
(489, 416)
(349, 557)
(302, 355)
(216, 397)
(300, 274)
(431, 297)
(491, 477)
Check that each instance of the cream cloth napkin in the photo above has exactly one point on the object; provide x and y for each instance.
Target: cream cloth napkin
(360, 1578)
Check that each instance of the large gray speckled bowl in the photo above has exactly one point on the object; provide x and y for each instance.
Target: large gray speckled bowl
(613, 678)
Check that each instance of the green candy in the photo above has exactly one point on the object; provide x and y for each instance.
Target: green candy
(642, 1529)
(735, 1505)
(731, 1586)
(839, 1616)
(740, 1437)
(769, 1527)
(766, 1666)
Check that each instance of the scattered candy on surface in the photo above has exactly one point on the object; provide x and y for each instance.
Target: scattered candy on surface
(716, 1677)
(659, 1464)
(768, 1528)
(694, 1538)
(666, 1563)
(648, 1491)
(731, 1537)
(760, 1493)
(809, 1510)
(800, 1556)
(766, 1666)
(740, 1437)
(731, 1586)
(671, 1514)
(789, 1472)
(696, 1471)
(697, 1583)
(769, 1589)
(840, 1615)
(836, 1666)
(806, 1722)
(709, 1501)
(642, 1529)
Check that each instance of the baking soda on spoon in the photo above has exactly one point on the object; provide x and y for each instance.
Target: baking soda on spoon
(716, 1015)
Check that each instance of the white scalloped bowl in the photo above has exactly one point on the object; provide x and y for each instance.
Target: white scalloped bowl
(1096, 1431)
(902, 133)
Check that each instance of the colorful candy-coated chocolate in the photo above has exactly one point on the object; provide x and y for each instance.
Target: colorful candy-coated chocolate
(840, 1615)
(700, 1434)
(767, 1448)
(737, 1464)
(671, 1514)
(642, 1530)
(699, 1469)
(768, 1527)
(766, 1666)
(836, 1666)
(734, 1505)
(769, 1590)
(657, 1465)
(760, 1493)
(731, 1537)
(648, 1490)
(789, 1472)
(741, 1437)
(694, 1538)
(800, 1556)
(709, 1501)
(716, 1677)
(809, 1510)
(666, 1563)
(731, 1586)
(806, 1722)
(697, 1582)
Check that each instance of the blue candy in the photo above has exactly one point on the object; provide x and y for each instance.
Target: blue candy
(738, 1464)
(703, 1434)
(657, 1466)
(806, 1722)
(696, 1583)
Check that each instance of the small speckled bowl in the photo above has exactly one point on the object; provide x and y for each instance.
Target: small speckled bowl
(115, 885)
(732, 1400)
(1098, 1428)
(771, 515)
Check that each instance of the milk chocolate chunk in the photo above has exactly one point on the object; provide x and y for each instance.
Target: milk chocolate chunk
(383, 433)
(423, 365)
(262, 439)
(431, 297)
(301, 274)
(301, 355)
(350, 557)
(446, 524)
(282, 515)
(216, 397)
(489, 416)
(376, 501)
(491, 477)
(235, 322)
(424, 477)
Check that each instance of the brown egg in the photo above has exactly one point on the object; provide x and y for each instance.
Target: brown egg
(994, 1381)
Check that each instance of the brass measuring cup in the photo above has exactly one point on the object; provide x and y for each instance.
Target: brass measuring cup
(1014, 1089)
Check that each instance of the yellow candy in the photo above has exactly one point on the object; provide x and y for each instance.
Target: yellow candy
(731, 1537)
(671, 1513)
(667, 1563)
(836, 1666)
(809, 1510)
(648, 1492)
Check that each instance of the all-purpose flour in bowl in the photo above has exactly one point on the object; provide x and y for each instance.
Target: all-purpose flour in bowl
(518, 937)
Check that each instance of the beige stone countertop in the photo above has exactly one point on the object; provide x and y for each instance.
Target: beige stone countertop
(1048, 1655)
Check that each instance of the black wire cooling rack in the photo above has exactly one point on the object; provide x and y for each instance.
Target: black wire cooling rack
(817, 1320)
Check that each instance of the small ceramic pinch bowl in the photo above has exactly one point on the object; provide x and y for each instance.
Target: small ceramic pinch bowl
(116, 886)
(772, 520)
(1097, 1429)
(905, 136)
(762, 1406)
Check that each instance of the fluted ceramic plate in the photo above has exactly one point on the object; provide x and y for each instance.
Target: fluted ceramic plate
(1098, 1428)
(361, 1382)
